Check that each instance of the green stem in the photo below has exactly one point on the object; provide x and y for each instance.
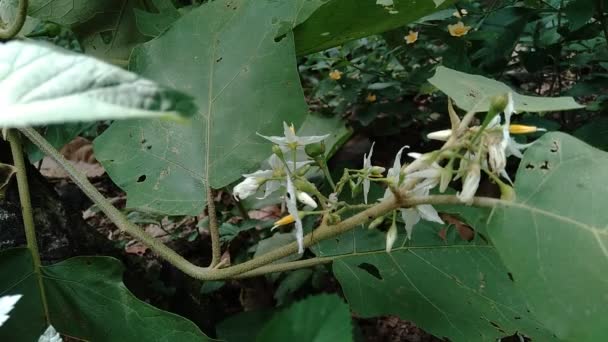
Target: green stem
(323, 165)
(8, 32)
(27, 214)
(214, 230)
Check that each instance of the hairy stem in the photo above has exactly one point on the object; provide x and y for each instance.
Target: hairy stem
(214, 230)
(26, 212)
(8, 31)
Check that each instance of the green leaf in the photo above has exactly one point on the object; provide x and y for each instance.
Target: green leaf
(473, 92)
(41, 84)
(244, 326)
(57, 135)
(579, 12)
(276, 241)
(454, 288)
(339, 21)
(594, 133)
(290, 284)
(554, 237)
(87, 300)
(69, 12)
(322, 318)
(211, 286)
(153, 24)
(245, 82)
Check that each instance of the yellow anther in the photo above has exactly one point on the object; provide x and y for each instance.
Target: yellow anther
(523, 129)
(283, 221)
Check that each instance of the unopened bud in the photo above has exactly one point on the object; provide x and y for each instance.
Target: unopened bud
(445, 177)
(391, 237)
(305, 199)
(304, 185)
(315, 150)
(499, 103)
(442, 135)
(377, 170)
(376, 222)
(276, 149)
(333, 219)
(507, 193)
(303, 170)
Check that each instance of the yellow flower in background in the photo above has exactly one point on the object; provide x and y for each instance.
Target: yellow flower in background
(371, 97)
(411, 38)
(458, 29)
(459, 14)
(335, 75)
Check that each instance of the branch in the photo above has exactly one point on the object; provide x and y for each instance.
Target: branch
(257, 265)
(17, 25)
(26, 211)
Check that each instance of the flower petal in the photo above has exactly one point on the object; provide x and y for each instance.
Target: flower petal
(427, 212)
(292, 208)
(410, 217)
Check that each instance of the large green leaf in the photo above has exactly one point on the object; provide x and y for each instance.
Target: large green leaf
(339, 21)
(41, 84)
(69, 12)
(554, 237)
(86, 300)
(450, 288)
(473, 92)
(153, 24)
(245, 82)
(594, 133)
(322, 318)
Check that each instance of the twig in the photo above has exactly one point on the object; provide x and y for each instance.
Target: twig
(27, 213)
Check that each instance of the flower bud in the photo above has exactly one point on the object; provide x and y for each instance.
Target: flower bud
(445, 177)
(391, 237)
(470, 184)
(276, 149)
(245, 188)
(507, 193)
(315, 150)
(303, 170)
(376, 223)
(304, 185)
(377, 170)
(442, 135)
(305, 199)
(333, 219)
(499, 103)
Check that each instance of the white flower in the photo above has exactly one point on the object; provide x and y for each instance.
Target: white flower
(394, 173)
(290, 141)
(305, 199)
(251, 184)
(369, 169)
(471, 183)
(497, 157)
(391, 237)
(7, 303)
(442, 135)
(411, 216)
(292, 208)
(50, 335)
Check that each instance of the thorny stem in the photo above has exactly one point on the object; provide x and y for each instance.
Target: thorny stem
(214, 230)
(8, 31)
(26, 212)
(261, 264)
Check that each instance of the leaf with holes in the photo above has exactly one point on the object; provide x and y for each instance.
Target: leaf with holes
(554, 238)
(339, 21)
(85, 296)
(473, 92)
(42, 84)
(448, 287)
(244, 81)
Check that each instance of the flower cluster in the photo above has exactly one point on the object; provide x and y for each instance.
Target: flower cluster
(284, 174)
(467, 153)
